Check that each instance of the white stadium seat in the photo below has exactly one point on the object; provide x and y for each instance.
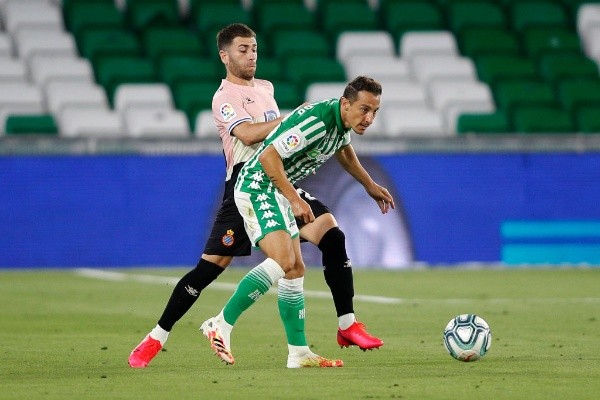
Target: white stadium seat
(419, 42)
(403, 94)
(325, 90)
(6, 48)
(19, 14)
(12, 70)
(368, 43)
(421, 121)
(19, 98)
(155, 95)
(35, 41)
(48, 68)
(75, 121)
(60, 95)
(204, 125)
(388, 68)
(428, 67)
(155, 122)
(588, 16)
(444, 94)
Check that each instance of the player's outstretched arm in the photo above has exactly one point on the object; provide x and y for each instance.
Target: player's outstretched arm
(350, 162)
(255, 132)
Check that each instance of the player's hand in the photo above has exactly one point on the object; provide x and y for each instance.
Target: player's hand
(302, 210)
(382, 196)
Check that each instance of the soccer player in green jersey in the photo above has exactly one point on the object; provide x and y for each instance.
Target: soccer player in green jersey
(269, 204)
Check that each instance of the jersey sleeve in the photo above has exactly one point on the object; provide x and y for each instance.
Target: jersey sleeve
(228, 109)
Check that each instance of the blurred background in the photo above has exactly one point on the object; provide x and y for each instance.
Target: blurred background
(487, 135)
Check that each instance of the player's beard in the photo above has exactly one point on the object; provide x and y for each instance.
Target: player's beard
(241, 72)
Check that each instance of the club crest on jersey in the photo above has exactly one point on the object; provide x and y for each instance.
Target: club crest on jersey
(290, 142)
(227, 111)
(270, 115)
(228, 238)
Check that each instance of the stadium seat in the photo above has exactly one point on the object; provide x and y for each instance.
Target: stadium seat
(588, 119)
(325, 90)
(445, 94)
(24, 97)
(45, 69)
(143, 14)
(75, 121)
(204, 126)
(537, 13)
(366, 44)
(341, 15)
(588, 16)
(194, 97)
(176, 69)
(155, 96)
(428, 67)
(161, 42)
(287, 95)
(555, 67)
(269, 68)
(33, 41)
(496, 122)
(399, 94)
(412, 43)
(302, 71)
(592, 44)
(209, 17)
(114, 71)
(101, 42)
(381, 68)
(522, 92)
(273, 17)
(475, 14)
(297, 42)
(575, 94)
(495, 68)
(541, 119)
(60, 95)
(540, 41)
(31, 124)
(141, 122)
(475, 42)
(401, 16)
(6, 48)
(421, 121)
(12, 70)
(98, 14)
(31, 14)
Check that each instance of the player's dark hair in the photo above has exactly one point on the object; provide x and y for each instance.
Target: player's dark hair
(359, 84)
(226, 35)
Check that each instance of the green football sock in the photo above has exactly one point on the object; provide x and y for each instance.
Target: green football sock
(252, 286)
(290, 295)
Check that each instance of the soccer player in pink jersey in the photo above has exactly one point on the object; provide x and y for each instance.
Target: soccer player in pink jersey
(245, 112)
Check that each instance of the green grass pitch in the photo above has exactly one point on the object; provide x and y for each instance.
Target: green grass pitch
(67, 335)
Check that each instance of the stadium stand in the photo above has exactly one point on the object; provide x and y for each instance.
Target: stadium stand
(526, 58)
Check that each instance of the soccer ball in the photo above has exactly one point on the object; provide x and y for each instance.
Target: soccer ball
(467, 337)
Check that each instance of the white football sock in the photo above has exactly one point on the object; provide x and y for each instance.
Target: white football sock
(346, 320)
(159, 334)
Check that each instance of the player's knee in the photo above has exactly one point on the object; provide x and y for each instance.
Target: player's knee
(333, 247)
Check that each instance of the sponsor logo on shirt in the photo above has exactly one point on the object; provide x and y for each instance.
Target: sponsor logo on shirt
(227, 111)
(290, 142)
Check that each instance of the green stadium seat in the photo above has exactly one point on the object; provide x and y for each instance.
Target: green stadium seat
(575, 94)
(270, 68)
(213, 16)
(193, 97)
(509, 94)
(494, 68)
(195, 4)
(400, 16)
(159, 42)
(300, 42)
(539, 41)
(114, 70)
(475, 14)
(588, 119)
(497, 122)
(31, 124)
(97, 43)
(542, 119)
(142, 14)
(176, 69)
(82, 16)
(339, 16)
(287, 95)
(537, 13)
(475, 42)
(556, 67)
(274, 17)
(302, 71)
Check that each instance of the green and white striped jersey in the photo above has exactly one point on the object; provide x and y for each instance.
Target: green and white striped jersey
(305, 139)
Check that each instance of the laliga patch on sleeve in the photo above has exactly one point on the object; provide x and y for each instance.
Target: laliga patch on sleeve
(227, 111)
(290, 142)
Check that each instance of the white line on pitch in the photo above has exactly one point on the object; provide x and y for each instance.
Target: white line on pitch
(230, 287)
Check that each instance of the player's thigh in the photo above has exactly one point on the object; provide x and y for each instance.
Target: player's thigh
(228, 236)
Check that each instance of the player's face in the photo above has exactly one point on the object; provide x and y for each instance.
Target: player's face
(240, 58)
(360, 114)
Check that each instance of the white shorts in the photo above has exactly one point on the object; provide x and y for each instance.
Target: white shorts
(264, 213)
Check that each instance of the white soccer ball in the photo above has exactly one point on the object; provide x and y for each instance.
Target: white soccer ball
(467, 337)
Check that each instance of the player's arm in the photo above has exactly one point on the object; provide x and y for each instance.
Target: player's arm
(254, 132)
(350, 162)
(273, 167)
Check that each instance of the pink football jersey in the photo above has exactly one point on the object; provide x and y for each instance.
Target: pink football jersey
(234, 104)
